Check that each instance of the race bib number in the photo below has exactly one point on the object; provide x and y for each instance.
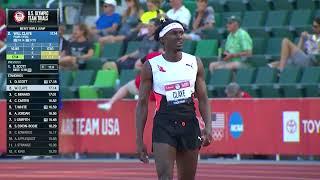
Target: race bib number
(178, 93)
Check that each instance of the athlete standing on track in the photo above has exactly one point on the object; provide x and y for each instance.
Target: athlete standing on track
(175, 77)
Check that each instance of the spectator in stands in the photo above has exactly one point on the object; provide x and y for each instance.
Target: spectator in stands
(147, 45)
(2, 50)
(154, 11)
(1, 44)
(302, 54)
(3, 34)
(203, 19)
(238, 45)
(64, 44)
(131, 87)
(108, 22)
(233, 90)
(179, 12)
(130, 21)
(80, 49)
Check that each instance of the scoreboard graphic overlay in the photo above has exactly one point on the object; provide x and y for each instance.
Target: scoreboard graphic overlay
(32, 81)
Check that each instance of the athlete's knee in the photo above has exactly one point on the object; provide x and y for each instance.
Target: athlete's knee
(165, 173)
(186, 178)
(165, 176)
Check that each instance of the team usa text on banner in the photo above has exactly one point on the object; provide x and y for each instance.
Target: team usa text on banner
(249, 126)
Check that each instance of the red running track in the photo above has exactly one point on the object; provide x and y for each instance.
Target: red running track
(74, 170)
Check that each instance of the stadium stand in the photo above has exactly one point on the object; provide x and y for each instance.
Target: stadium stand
(267, 22)
(265, 76)
(309, 84)
(258, 5)
(289, 75)
(218, 81)
(207, 50)
(189, 46)
(235, 5)
(104, 82)
(126, 76)
(112, 51)
(94, 64)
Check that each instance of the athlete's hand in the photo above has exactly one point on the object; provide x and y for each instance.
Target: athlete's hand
(142, 152)
(206, 136)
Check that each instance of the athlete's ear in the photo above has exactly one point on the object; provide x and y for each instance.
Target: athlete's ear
(161, 41)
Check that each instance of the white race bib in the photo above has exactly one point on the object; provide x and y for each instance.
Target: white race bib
(178, 93)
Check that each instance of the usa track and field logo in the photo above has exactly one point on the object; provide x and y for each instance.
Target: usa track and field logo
(19, 16)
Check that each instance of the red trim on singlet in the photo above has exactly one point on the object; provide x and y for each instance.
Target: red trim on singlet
(158, 98)
(193, 99)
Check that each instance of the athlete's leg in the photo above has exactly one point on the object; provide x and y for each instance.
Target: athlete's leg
(164, 156)
(187, 164)
(287, 50)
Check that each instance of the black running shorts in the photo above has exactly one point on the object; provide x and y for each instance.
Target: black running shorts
(181, 133)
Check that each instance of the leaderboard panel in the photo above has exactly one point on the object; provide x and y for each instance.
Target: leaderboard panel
(32, 81)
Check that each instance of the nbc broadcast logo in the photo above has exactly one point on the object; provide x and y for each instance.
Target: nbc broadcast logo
(290, 126)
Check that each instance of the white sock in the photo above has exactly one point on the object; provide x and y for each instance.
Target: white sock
(105, 106)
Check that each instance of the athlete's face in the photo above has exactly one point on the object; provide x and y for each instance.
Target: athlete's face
(173, 40)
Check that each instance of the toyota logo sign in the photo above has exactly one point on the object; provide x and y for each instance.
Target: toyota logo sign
(291, 126)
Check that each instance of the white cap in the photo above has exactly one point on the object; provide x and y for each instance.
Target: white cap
(112, 2)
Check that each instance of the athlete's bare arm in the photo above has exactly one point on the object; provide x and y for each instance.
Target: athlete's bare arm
(142, 109)
(204, 106)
